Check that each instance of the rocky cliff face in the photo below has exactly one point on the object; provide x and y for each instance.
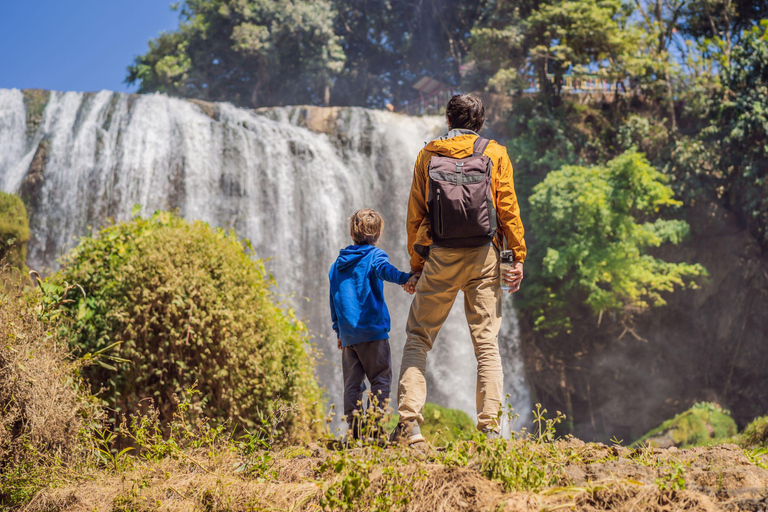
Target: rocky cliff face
(706, 344)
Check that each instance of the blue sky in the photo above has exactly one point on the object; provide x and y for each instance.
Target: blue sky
(76, 45)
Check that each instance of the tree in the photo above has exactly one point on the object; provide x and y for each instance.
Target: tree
(722, 21)
(514, 40)
(250, 52)
(741, 125)
(596, 225)
(580, 37)
(345, 52)
(390, 44)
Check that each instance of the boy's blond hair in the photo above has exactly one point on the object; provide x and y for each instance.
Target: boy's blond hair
(365, 226)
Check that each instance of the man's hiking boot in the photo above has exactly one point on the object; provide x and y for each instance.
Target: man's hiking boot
(491, 434)
(406, 434)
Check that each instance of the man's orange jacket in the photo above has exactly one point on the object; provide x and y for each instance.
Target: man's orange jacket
(502, 188)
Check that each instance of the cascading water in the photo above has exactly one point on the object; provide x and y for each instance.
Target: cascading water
(286, 178)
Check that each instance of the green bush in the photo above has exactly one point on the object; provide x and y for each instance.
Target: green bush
(189, 308)
(701, 425)
(14, 231)
(755, 435)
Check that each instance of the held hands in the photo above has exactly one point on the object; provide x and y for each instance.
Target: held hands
(514, 277)
(410, 285)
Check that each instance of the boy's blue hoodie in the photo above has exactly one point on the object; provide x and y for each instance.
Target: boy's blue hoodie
(358, 310)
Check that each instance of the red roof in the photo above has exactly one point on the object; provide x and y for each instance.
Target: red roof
(428, 85)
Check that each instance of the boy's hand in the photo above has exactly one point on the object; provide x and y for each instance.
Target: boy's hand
(338, 344)
(410, 285)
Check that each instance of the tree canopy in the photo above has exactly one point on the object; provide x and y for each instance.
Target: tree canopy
(598, 223)
(371, 52)
(245, 51)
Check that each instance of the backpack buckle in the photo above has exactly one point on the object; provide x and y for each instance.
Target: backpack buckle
(460, 172)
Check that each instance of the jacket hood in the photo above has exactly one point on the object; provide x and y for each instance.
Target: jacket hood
(455, 144)
(351, 255)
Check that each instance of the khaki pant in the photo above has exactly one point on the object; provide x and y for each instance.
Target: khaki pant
(475, 271)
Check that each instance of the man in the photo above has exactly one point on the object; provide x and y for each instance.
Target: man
(460, 253)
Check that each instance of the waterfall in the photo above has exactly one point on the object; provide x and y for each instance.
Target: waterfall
(286, 178)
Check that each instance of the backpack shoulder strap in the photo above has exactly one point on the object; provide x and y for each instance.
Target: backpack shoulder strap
(480, 144)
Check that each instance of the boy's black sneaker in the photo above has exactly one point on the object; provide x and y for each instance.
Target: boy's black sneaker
(407, 433)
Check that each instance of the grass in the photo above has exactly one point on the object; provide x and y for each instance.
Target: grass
(192, 465)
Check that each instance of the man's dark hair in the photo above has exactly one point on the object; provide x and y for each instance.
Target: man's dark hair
(465, 111)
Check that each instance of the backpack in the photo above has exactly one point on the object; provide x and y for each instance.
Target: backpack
(460, 203)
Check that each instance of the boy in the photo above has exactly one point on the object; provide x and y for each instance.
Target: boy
(360, 316)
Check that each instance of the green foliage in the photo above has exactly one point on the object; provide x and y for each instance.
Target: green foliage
(597, 224)
(513, 40)
(14, 231)
(757, 457)
(344, 51)
(528, 464)
(241, 51)
(185, 304)
(742, 125)
(755, 435)
(577, 36)
(441, 424)
(20, 482)
(390, 44)
(701, 425)
(355, 490)
(532, 122)
(673, 479)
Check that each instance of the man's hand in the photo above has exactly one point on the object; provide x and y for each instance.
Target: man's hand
(514, 277)
(338, 344)
(410, 285)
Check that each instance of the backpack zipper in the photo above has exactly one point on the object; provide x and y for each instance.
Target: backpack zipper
(439, 214)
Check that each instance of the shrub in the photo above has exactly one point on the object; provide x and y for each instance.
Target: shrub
(189, 308)
(14, 231)
(755, 435)
(703, 424)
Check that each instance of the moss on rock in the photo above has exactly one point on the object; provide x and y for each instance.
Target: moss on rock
(701, 425)
(35, 101)
(755, 435)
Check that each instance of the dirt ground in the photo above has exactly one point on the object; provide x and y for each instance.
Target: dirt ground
(592, 477)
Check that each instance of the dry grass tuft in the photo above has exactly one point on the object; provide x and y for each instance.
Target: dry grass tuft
(41, 404)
